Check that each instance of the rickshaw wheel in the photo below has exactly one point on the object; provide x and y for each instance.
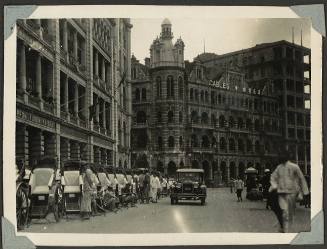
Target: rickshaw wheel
(22, 207)
(58, 205)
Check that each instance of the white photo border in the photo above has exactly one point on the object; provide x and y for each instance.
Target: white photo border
(130, 11)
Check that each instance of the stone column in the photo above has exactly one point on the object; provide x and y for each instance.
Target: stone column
(75, 45)
(39, 78)
(65, 36)
(103, 70)
(97, 111)
(66, 94)
(96, 63)
(76, 99)
(104, 114)
(22, 67)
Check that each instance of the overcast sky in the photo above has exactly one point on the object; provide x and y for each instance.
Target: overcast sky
(219, 35)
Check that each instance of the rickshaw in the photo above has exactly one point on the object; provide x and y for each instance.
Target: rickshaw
(22, 201)
(99, 191)
(72, 182)
(45, 192)
(252, 191)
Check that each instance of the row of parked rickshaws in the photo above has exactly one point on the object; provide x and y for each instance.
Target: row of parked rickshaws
(45, 188)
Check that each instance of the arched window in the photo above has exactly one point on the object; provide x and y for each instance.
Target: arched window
(171, 142)
(143, 94)
(231, 122)
(204, 118)
(159, 117)
(180, 141)
(240, 145)
(160, 143)
(137, 94)
(222, 121)
(205, 142)
(141, 117)
(170, 87)
(249, 145)
(213, 119)
(180, 87)
(222, 144)
(231, 144)
(191, 94)
(170, 117)
(194, 141)
(194, 117)
(180, 117)
(158, 82)
(196, 95)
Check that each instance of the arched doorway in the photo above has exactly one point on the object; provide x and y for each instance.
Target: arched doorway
(206, 168)
(181, 165)
(223, 170)
(232, 170)
(241, 170)
(160, 167)
(171, 170)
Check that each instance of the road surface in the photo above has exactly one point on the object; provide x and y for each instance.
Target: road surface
(222, 213)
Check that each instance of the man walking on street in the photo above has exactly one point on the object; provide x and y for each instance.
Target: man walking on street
(290, 184)
(239, 185)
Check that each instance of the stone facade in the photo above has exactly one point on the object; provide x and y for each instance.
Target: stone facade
(65, 69)
(205, 114)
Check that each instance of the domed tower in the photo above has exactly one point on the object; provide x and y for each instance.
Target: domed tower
(168, 112)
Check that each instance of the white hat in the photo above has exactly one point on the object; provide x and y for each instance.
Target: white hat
(267, 170)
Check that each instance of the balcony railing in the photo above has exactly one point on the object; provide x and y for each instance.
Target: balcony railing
(64, 115)
(32, 100)
(48, 107)
(73, 119)
(83, 123)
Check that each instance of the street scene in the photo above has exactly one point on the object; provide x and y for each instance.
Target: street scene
(156, 126)
(222, 213)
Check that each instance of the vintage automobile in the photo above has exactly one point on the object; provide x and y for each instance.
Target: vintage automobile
(189, 185)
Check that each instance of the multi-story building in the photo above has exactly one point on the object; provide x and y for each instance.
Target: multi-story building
(208, 113)
(72, 90)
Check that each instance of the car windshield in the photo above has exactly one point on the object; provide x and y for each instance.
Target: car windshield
(189, 176)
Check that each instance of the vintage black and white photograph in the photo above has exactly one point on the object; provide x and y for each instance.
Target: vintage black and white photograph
(163, 125)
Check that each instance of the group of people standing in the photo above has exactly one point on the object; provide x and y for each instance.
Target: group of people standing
(120, 190)
(282, 189)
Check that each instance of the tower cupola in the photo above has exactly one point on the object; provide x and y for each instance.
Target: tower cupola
(166, 29)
